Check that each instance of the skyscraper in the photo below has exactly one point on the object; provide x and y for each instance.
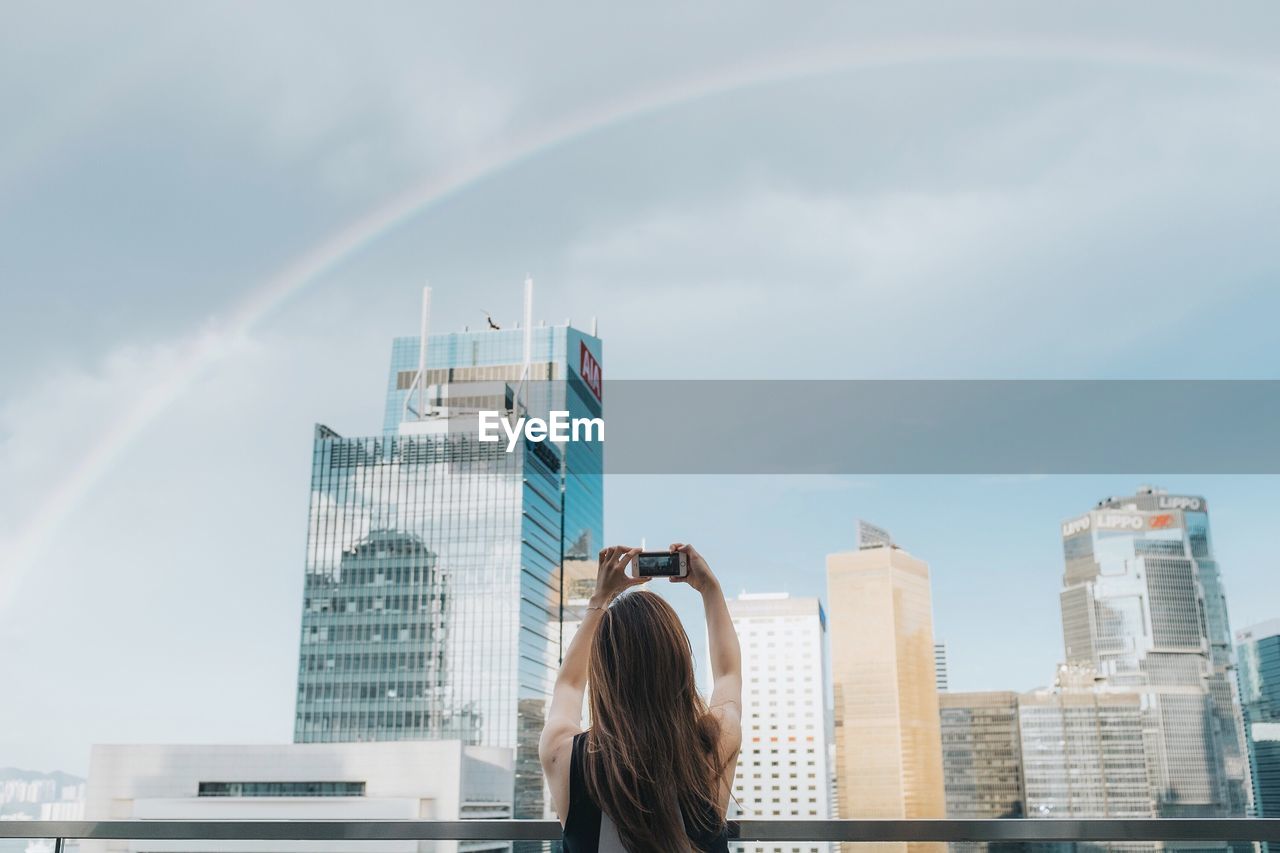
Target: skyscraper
(940, 666)
(435, 562)
(1264, 751)
(887, 729)
(981, 758)
(782, 766)
(1258, 653)
(1083, 751)
(578, 585)
(1143, 607)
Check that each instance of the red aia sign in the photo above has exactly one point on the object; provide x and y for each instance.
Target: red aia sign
(589, 369)
(1159, 521)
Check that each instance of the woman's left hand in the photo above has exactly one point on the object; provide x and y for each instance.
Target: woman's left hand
(611, 576)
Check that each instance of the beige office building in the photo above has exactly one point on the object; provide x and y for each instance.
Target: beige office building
(887, 728)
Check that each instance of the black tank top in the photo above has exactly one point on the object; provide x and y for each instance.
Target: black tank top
(588, 830)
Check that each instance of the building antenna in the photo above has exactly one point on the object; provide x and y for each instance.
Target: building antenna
(528, 324)
(526, 327)
(420, 379)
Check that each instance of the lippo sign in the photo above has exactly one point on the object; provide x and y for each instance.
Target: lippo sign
(1111, 520)
(1186, 502)
(589, 370)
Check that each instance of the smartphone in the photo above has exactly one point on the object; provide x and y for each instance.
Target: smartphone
(662, 564)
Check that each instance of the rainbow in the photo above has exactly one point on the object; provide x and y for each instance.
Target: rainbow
(219, 341)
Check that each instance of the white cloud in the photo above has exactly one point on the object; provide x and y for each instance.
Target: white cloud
(1151, 207)
(883, 242)
(140, 525)
(358, 102)
(363, 113)
(69, 428)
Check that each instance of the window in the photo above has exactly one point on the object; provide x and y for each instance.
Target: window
(281, 789)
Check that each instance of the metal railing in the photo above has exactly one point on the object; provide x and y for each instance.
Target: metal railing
(1011, 830)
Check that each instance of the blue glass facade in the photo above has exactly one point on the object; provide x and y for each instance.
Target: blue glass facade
(1258, 653)
(557, 382)
(434, 602)
(1266, 767)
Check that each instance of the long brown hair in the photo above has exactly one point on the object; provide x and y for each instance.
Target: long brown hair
(652, 757)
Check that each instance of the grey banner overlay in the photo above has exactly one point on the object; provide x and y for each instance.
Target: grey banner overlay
(942, 427)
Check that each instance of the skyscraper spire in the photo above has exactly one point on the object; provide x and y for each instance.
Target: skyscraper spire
(419, 387)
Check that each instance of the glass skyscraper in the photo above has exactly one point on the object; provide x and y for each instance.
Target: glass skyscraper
(1143, 607)
(434, 570)
(1258, 651)
(1084, 753)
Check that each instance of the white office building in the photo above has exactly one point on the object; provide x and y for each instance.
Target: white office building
(783, 768)
(62, 810)
(432, 780)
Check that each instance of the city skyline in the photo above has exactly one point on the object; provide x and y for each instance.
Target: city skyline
(211, 235)
(1144, 715)
(996, 680)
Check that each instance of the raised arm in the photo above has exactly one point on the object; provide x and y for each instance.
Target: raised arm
(726, 660)
(564, 716)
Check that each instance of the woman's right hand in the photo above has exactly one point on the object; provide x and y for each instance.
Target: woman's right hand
(700, 576)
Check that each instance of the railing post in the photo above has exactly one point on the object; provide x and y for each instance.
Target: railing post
(57, 844)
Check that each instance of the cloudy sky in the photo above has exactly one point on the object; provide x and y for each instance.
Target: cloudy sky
(213, 219)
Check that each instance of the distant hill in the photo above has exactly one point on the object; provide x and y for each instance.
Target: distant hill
(58, 776)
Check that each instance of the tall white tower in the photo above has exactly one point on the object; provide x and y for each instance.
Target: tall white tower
(783, 765)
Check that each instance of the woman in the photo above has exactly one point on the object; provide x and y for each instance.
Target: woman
(654, 771)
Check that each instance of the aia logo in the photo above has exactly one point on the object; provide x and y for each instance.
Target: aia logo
(589, 369)
(1161, 521)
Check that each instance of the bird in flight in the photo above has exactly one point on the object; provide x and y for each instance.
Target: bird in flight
(489, 317)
